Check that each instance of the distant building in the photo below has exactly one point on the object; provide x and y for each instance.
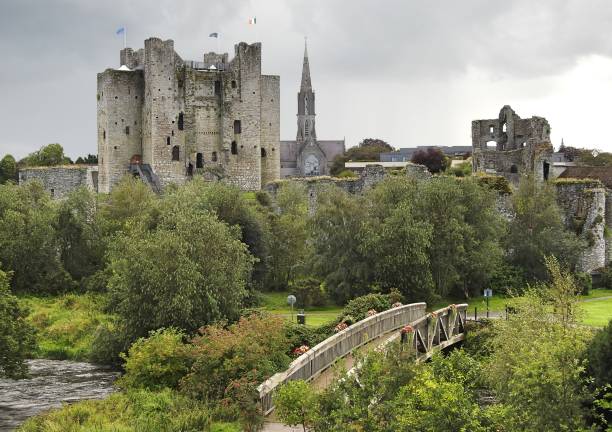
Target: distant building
(307, 156)
(405, 154)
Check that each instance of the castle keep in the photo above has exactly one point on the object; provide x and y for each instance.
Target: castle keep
(165, 119)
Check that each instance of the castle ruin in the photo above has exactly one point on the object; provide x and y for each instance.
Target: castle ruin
(165, 119)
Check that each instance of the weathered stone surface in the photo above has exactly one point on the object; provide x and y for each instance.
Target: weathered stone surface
(61, 180)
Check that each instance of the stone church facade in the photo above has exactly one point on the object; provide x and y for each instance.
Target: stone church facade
(166, 119)
(307, 156)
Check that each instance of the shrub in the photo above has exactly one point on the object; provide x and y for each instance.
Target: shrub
(346, 174)
(109, 340)
(507, 279)
(255, 347)
(296, 404)
(599, 355)
(584, 282)
(309, 292)
(158, 361)
(358, 308)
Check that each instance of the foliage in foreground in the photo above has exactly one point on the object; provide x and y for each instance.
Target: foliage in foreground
(141, 410)
(599, 356)
(16, 335)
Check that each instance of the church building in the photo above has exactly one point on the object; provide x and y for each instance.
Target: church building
(307, 156)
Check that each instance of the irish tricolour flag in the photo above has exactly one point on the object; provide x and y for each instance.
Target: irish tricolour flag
(253, 20)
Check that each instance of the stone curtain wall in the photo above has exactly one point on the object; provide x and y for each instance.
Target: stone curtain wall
(59, 181)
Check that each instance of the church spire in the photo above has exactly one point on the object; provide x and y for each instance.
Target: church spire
(306, 85)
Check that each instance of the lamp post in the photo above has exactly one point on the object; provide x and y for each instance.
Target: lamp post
(291, 301)
(488, 293)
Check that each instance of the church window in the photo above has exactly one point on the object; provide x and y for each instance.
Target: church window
(199, 160)
(237, 127)
(176, 153)
(127, 130)
(214, 156)
(263, 152)
(234, 147)
(167, 140)
(217, 88)
(306, 128)
(181, 121)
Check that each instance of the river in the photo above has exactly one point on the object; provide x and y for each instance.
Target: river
(51, 383)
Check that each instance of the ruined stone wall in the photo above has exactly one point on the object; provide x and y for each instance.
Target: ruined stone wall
(59, 181)
(120, 100)
(584, 210)
(270, 129)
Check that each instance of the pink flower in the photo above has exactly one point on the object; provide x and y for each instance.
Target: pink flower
(406, 329)
(341, 326)
(372, 312)
(301, 350)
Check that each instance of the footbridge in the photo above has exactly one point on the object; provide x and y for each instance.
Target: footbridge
(420, 334)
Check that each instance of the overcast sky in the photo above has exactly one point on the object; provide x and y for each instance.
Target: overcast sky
(412, 72)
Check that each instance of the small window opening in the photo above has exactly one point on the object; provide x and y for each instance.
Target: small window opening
(52, 192)
(513, 169)
(167, 140)
(234, 148)
(172, 132)
(176, 153)
(263, 152)
(546, 169)
(237, 127)
(233, 83)
(504, 127)
(214, 156)
(199, 160)
(217, 88)
(104, 134)
(127, 130)
(491, 130)
(491, 145)
(181, 121)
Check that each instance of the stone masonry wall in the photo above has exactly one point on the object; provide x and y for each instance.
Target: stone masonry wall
(270, 129)
(59, 181)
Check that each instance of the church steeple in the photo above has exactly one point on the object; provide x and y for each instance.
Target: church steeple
(306, 84)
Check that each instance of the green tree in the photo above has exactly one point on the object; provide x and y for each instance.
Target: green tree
(130, 202)
(49, 155)
(537, 230)
(28, 241)
(599, 355)
(336, 231)
(189, 271)
(8, 169)
(16, 335)
(90, 159)
(289, 234)
(296, 403)
(536, 367)
(367, 150)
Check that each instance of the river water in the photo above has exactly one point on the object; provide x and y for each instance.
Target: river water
(51, 383)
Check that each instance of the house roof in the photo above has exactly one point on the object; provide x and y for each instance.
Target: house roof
(601, 173)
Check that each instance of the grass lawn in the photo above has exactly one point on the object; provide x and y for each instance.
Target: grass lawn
(597, 313)
(65, 324)
(276, 303)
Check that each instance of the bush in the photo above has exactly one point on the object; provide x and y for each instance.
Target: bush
(159, 361)
(109, 340)
(16, 335)
(140, 410)
(507, 279)
(309, 292)
(599, 355)
(255, 347)
(584, 282)
(347, 174)
(358, 308)
(298, 335)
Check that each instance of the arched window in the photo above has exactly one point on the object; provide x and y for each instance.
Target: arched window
(176, 153)
(504, 127)
(263, 152)
(306, 128)
(234, 147)
(214, 156)
(199, 160)
(181, 121)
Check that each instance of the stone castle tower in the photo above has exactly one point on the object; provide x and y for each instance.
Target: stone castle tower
(307, 156)
(166, 119)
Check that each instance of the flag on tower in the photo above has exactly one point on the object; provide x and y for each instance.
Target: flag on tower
(253, 20)
(120, 31)
(215, 35)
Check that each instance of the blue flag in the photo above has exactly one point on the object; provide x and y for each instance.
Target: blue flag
(120, 31)
(215, 35)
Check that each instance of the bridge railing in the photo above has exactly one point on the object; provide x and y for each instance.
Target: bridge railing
(320, 357)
